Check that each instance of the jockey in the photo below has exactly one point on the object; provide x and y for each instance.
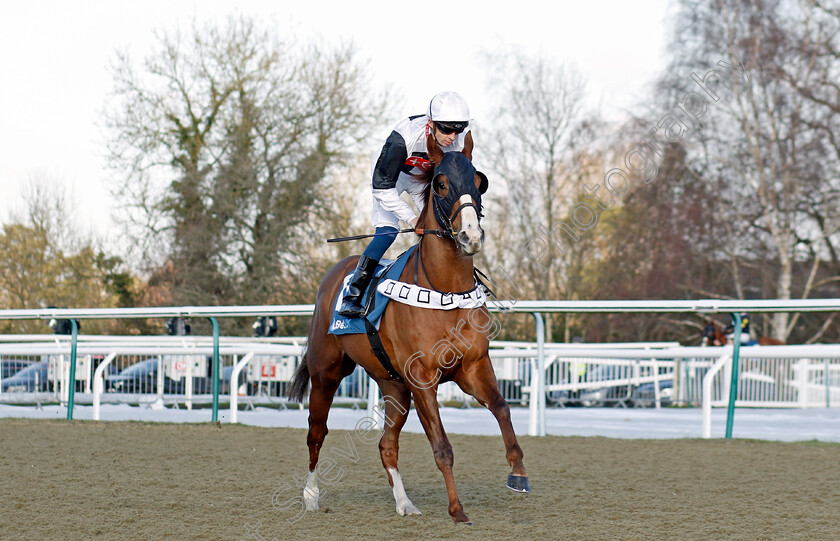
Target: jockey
(745, 329)
(404, 157)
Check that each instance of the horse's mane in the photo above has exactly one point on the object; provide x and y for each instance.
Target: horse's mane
(427, 200)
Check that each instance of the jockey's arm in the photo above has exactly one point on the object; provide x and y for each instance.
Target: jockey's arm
(385, 175)
(391, 201)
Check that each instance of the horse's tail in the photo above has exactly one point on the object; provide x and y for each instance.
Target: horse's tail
(300, 381)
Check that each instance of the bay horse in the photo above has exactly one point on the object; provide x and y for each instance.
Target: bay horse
(426, 346)
(713, 335)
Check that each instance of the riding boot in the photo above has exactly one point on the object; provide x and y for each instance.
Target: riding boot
(351, 305)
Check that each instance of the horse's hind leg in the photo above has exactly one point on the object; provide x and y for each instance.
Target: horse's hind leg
(326, 371)
(397, 403)
(481, 384)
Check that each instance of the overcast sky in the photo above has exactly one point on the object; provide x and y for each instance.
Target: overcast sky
(55, 57)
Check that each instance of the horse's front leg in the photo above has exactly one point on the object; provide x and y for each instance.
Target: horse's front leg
(479, 381)
(425, 400)
(397, 404)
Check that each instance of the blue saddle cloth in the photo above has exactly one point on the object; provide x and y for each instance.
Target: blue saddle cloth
(390, 269)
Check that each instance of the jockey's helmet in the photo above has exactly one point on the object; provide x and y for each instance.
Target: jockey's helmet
(450, 109)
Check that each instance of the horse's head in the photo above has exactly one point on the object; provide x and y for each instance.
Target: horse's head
(456, 200)
(708, 334)
(712, 335)
(456, 189)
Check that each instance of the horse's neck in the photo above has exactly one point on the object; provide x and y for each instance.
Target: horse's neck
(445, 268)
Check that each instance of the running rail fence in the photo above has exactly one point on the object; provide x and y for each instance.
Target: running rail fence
(729, 360)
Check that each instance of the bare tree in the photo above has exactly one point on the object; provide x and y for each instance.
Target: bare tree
(755, 137)
(536, 148)
(223, 141)
(46, 259)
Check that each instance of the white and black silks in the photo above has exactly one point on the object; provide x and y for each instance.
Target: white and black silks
(403, 156)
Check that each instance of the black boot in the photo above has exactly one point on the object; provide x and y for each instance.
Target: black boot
(351, 305)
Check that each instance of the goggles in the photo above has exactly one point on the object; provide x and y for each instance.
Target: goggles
(447, 128)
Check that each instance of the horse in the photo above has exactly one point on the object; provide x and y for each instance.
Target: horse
(427, 347)
(713, 335)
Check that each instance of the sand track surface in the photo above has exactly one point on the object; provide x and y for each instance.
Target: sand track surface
(131, 480)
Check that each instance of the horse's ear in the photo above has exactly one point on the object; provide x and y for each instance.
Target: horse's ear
(440, 184)
(468, 146)
(435, 152)
(481, 182)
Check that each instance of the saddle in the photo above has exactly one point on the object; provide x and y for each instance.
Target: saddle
(374, 302)
(385, 286)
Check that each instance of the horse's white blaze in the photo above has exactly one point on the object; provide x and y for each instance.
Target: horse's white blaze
(311, 492)
(404, 505)
(469, 226)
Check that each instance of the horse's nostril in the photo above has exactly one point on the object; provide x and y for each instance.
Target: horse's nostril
(463, 237)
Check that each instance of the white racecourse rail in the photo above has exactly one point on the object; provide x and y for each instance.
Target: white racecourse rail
(770, 376)
(788, 376)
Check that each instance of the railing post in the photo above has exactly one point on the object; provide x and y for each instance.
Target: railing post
(373, 403)
(827, 387)
(71, 397)
(98, 383)
(216, 374)
(537, 423)
(803, 378)
(733, 384)
(234, 385)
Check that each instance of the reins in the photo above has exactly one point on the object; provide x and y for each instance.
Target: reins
(437, 232)
(418, 261)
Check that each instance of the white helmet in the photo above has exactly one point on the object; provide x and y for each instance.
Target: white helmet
(450, 108)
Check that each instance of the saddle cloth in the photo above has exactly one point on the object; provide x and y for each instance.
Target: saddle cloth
(422, 297)
(387, 284)
(386, 269)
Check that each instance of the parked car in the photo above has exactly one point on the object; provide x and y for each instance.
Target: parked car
(554, 399)
(142, 378)
(33, 378)
(609, 395)
(10, 367)
(643, 395)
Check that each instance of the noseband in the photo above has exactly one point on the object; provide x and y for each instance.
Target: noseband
(448, 230)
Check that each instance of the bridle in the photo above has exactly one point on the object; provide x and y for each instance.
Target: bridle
(460, 173)
(448, 231)
(442, 216)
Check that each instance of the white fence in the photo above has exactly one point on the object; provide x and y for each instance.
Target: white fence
(256, 371)
(146, 370)
(769, 377)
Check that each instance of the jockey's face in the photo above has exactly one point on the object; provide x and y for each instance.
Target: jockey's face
(443, 139)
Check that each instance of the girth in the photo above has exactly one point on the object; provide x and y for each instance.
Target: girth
(376, 345)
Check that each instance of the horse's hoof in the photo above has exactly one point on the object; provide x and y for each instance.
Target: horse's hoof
(459, 517)
(518, 483)
(407, 510)
(311, 498)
